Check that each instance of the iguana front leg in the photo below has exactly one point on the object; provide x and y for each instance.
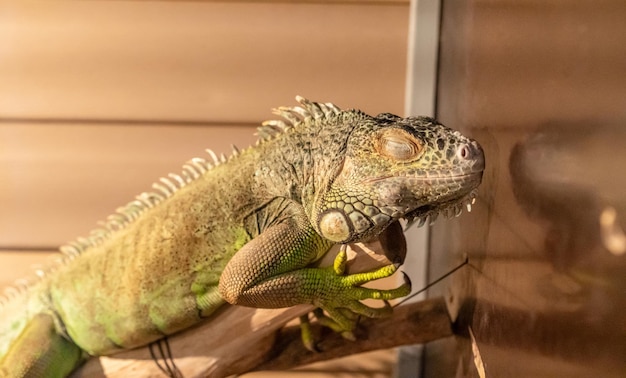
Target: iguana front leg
(271, 272)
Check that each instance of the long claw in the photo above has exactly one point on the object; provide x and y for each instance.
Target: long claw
(406, 279)
(339, 265)
(308, 340)
(348, 335)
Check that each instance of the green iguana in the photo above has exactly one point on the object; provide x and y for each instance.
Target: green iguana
(243, 230)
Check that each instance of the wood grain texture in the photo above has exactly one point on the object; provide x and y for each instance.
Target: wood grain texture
(414, 323)
(253, 341)
(197, 61)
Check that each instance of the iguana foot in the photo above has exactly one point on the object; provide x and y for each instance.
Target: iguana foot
(342, 296)
(329, 322)
(309, 339)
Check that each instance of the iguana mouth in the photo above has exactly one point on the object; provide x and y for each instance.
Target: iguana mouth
(418, 177)
(431, 213)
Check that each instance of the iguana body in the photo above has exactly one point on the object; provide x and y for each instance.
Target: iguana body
(244, 230)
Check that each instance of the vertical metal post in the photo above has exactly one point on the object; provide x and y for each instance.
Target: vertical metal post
(419, 100)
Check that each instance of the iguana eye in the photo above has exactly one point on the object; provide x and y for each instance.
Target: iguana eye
(398, 145)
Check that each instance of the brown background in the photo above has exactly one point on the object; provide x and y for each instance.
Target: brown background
(100, 99)
(542, 86)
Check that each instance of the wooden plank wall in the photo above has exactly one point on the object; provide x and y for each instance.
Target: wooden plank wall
(100, 99)
(541, 85)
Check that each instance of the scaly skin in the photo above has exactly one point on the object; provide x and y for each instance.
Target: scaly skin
(245, 231)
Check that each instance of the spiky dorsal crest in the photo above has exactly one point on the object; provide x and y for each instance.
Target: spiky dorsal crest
(295, 115)
(192, 170)
(164, 188)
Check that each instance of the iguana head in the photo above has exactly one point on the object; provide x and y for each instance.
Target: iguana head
(397, 168)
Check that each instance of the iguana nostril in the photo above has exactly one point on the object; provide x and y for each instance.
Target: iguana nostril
(464, 152)
(470, 151)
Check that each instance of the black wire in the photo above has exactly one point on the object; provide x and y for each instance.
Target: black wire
(167, 357)
(170, 357)
(156, 360)
(434, 282)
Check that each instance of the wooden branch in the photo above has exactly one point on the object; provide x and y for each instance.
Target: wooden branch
(235, 336)
(414, 323)
(239, 339)
(198, 354)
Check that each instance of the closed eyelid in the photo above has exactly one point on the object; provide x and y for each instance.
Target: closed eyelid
(398, 145)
